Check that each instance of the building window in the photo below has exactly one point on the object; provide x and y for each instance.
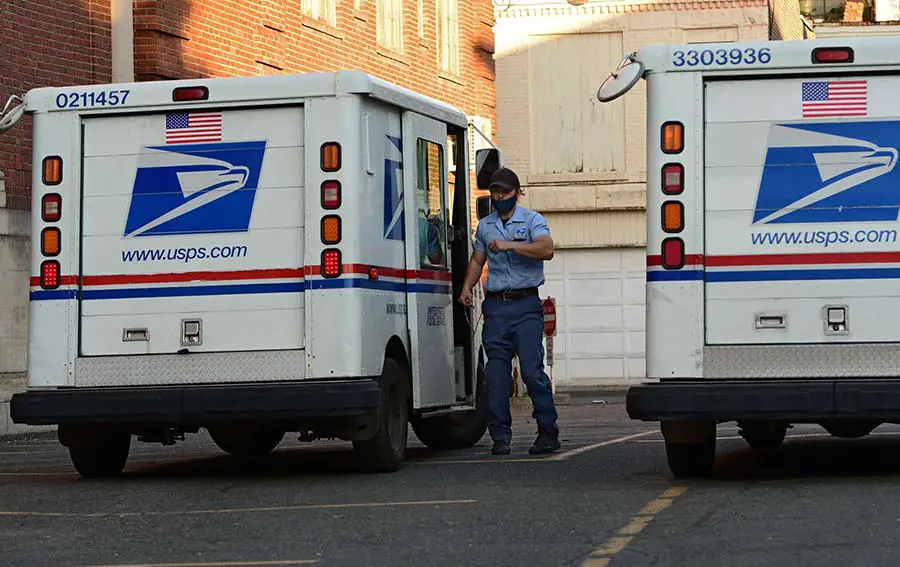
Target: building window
(324, 10)
(448, 35)
(390, 24)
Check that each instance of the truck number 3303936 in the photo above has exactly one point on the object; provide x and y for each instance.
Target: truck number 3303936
(735, 56)
(90, 99)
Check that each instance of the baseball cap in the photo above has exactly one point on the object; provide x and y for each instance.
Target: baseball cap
(505, 178)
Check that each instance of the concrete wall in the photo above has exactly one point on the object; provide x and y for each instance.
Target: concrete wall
(14, 264)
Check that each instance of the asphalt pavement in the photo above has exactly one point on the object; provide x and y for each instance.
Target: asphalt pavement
(606, 499)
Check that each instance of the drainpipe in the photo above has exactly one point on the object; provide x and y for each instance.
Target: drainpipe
(122, 12)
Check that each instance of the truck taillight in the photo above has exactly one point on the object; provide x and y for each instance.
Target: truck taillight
(331, 156)
(331, 229)
(672, 137)
(331, 263)
(673, 216)
(50, 274)
(673, 178)
(51, 170)
(50, 241)
(672, 253)
(832, 55)
(331, 194)
(51, 207)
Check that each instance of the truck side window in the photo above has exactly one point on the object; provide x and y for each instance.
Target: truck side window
(431, 196)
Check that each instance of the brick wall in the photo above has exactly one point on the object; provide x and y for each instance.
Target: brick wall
(175, 39)
(46, 43)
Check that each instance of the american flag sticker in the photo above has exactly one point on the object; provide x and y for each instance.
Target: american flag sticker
(823, 99)
(190, 127)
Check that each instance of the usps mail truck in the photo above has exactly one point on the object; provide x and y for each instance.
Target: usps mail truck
(252, 256)
(773, 258)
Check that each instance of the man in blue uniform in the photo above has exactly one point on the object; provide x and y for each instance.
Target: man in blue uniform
(515, 242)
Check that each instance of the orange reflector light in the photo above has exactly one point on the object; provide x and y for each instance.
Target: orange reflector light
(50, 241)
(672, 137)
(672, 253)
(190, 93)
(331, 229)
(673, 178)
(50, 274)
(51, 207)
(673, 216)
(331, 263)
(331, 194)
(832, 55)
(331, 156)
(51, 170)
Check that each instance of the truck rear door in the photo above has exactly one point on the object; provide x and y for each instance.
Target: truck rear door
(192, 233)
(801, 208)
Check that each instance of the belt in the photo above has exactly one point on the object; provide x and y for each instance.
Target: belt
(511, 294)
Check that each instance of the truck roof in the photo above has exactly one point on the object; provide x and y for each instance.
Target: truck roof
(868, 53)
(238, 90)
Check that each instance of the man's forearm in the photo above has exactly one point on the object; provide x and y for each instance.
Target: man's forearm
(473, 272)
(539, 249)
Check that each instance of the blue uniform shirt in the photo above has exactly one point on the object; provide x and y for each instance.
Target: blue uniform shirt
(510, 270)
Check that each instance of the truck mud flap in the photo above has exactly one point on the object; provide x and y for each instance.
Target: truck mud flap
(787, 400)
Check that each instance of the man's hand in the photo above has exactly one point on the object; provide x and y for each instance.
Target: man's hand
(501, 245)
(466, 298)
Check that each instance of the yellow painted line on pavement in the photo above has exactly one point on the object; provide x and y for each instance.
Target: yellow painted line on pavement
(601, 556)
(238, 510)
(218, 564)
(574, 452)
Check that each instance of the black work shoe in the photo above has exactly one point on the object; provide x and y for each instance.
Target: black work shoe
(544, 443)
(500, 448)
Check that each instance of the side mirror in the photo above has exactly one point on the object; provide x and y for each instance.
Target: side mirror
(487, 161)
(483, 206)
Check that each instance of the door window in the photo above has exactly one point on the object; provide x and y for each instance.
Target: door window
(430, 198)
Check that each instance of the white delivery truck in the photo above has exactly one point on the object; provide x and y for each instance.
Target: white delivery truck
(253, 256)
(773, 258)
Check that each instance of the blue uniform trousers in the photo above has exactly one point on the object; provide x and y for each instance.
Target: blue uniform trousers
(516, 326)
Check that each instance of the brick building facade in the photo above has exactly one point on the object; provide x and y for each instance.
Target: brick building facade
(442, 48)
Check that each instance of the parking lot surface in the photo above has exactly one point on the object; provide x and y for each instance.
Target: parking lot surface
(607, 498)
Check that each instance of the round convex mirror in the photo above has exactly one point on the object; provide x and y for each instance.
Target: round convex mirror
(621, 80)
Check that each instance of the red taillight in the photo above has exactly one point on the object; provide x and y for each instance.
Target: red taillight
(373, 273)
(190, 93)
(331, 194)
(673, 178)
(51, 207)
(832, 55)
(50, 274)
(331, 263)
(672, 253)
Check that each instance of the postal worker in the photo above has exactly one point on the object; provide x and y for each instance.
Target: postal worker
(515, 242)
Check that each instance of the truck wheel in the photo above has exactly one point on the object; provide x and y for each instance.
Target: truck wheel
(760, 435)
(458, 430)
(691, 460)
(96, 451)
(386, 450)
(245, 440)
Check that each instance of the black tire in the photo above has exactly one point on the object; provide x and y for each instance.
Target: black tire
(459, 430)
(691, 460)
(245, 440)
(98, 451)
(386, 450)
(763, 436)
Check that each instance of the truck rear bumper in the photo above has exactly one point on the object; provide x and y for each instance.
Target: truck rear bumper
(197, 403)
(810, 401)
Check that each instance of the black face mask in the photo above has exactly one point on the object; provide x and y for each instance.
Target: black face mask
(505, 205)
